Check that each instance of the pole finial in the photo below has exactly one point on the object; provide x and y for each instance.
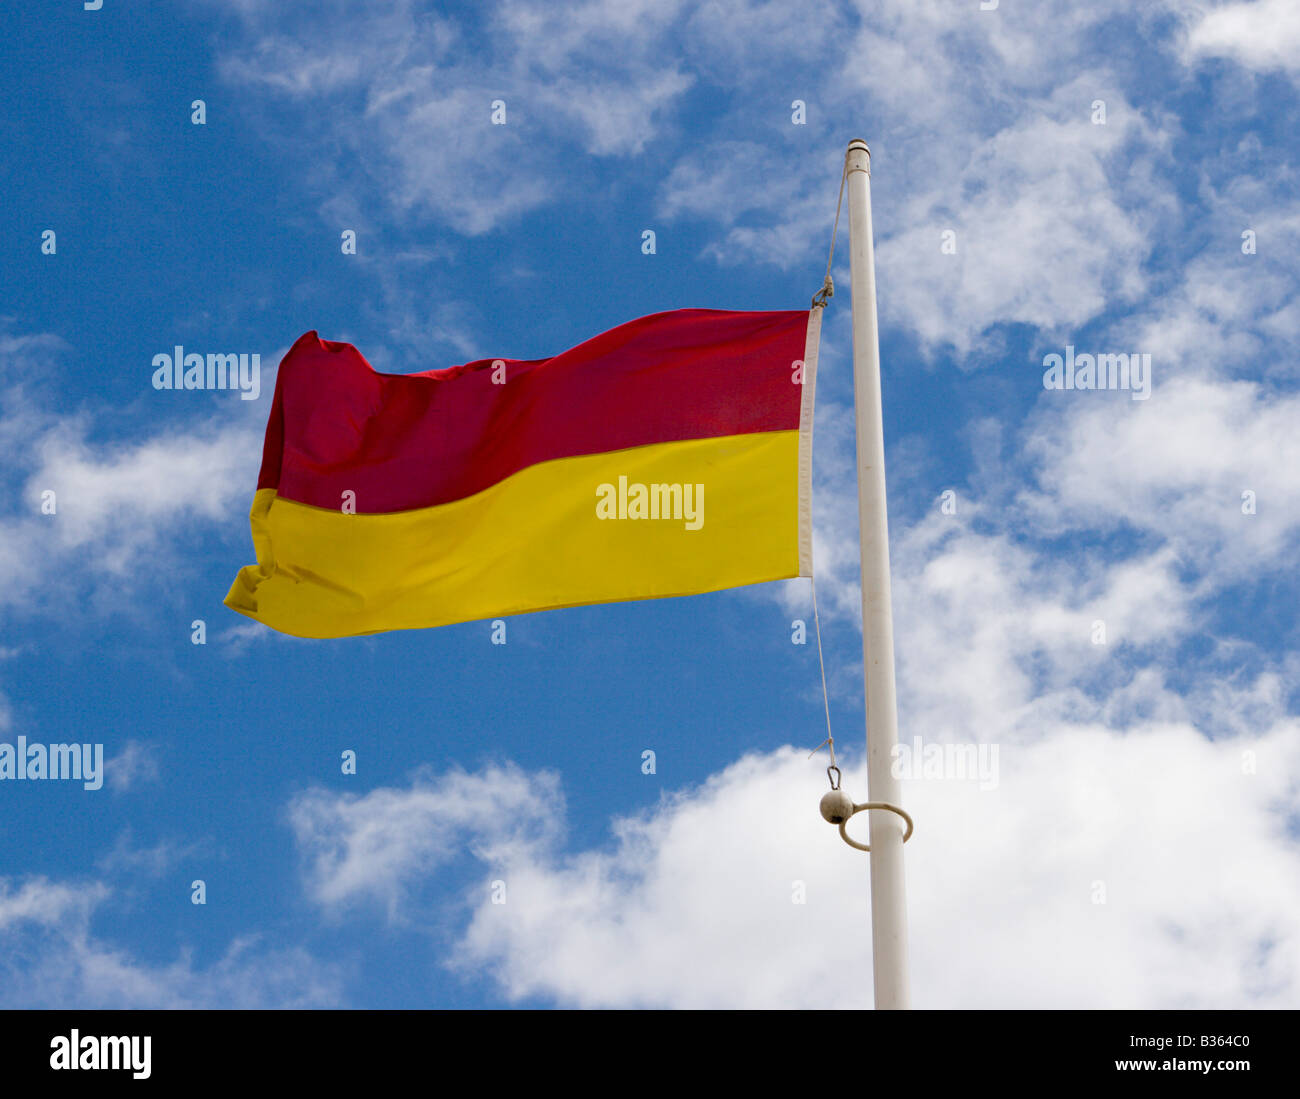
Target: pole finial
(857, 157)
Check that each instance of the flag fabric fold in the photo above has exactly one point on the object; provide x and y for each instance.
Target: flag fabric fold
(669, 456)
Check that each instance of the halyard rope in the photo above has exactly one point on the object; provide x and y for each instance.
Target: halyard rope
(828, 284)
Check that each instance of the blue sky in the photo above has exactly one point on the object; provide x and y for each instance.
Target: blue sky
(1139, 847)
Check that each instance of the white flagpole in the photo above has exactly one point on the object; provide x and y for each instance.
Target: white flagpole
(888, 895)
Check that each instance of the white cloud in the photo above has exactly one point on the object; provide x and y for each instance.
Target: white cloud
(137, 763)
(1185, 846)
(777, 217)
(1052, 217)
(982, 124)
(116, 503)
(743, 42)
(376, 847)
(127, 857)
(1049, 231)
(1176, 467)
(1230, 313)
(1263, 34)
(114, 496)
(595, 76)
(51, 958)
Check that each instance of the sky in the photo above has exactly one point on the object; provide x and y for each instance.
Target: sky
(1093, 590)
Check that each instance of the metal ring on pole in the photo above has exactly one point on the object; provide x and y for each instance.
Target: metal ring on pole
(874, 805)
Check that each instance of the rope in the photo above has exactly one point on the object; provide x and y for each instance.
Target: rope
(819, 302)
(828, 284)
(821, 663)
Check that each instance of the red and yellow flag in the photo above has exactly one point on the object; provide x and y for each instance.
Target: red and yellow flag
(669, 456)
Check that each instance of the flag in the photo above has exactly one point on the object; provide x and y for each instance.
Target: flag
(669, 456)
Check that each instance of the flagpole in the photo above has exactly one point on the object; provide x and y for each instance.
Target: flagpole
(888, 893)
